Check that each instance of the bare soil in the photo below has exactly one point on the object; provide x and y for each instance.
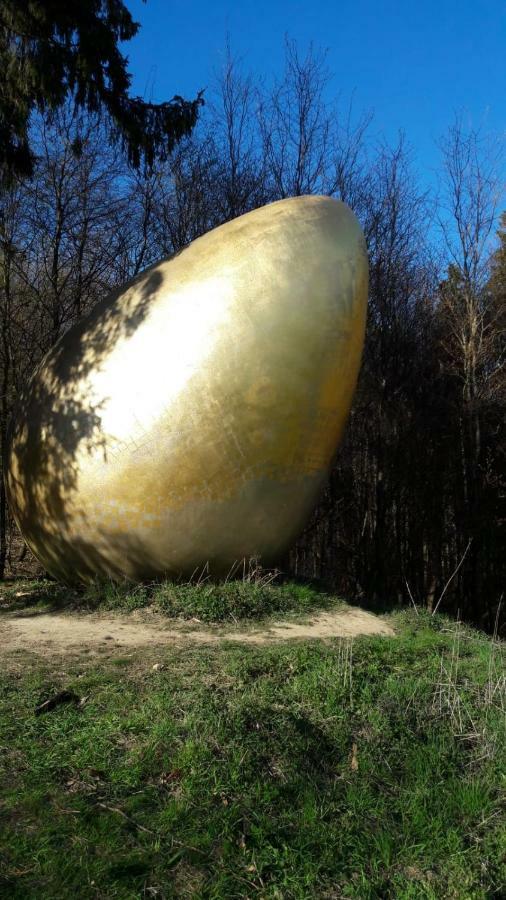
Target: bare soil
(47, 633)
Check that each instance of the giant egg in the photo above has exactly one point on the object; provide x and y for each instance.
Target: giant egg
(192, 416)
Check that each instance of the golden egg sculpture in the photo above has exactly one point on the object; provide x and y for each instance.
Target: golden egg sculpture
(192, 416)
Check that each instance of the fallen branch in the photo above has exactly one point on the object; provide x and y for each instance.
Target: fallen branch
(57, 700)
(116, 809)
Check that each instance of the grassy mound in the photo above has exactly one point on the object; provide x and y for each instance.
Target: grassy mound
(228, 601)
(371, 768)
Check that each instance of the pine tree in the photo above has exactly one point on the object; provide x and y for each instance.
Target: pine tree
(52, 51)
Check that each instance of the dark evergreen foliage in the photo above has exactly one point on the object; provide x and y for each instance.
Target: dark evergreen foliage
(51, 51)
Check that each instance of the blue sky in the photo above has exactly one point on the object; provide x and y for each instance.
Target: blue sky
(414, 64)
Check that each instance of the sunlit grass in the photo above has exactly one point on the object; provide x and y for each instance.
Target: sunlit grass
(365, 769)
(224, 601)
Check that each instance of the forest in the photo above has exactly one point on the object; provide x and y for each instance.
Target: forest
(413, 513)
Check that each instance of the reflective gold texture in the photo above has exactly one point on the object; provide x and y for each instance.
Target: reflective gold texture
(193, 415)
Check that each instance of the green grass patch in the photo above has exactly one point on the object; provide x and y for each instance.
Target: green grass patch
(372, 768)
(225, 601)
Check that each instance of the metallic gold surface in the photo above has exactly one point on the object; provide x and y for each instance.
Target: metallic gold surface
(193, 415)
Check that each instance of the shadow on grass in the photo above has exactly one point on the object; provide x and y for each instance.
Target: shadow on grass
(32, 598)
(373, 604)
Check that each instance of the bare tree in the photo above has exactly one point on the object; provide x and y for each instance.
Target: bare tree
(296, 125)
(233, 108)
(471, 192)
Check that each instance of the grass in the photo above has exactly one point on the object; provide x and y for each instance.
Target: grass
(257, 598)
(372, 768)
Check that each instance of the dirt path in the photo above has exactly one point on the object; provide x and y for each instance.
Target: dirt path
(48, 633)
